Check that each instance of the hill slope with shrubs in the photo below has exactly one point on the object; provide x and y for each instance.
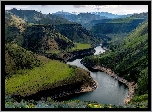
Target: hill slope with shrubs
(128, 59)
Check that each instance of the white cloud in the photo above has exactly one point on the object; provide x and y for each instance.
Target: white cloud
(79, 6)
(17, 7)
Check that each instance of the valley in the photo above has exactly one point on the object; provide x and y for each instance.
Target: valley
(56, 60)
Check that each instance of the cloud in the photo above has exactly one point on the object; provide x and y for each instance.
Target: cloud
(79, 6)
(44, 5)
(8, 7)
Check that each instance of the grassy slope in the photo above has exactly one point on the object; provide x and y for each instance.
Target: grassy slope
(80, 46)
(35, 73)
(40, 77)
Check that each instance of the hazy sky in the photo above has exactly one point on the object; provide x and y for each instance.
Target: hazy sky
(115, 9)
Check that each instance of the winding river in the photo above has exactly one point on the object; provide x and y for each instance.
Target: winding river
(109, 90)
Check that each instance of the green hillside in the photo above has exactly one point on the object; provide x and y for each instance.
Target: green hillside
(113, 30)
(73, 31)
(45, 39)
(129, 59)
(17, 58)
(77, 33)
(27, 73)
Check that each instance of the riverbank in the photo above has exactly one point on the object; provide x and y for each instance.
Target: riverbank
(88, 88)
(131, 85)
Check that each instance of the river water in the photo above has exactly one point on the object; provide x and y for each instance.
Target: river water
(109, 90)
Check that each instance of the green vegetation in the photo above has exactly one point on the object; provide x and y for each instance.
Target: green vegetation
(45, 39)
(49, 103)
(80, 46)
(113, 31)
(27, 73)
(39, 77)
(77, 33)
(17, 58)
(129, 59)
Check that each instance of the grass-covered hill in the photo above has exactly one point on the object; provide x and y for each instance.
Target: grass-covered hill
(129, 59)
(31, 75)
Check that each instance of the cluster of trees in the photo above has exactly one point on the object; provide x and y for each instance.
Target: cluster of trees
(17, 58)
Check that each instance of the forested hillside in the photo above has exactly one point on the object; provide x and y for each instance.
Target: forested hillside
(129, 59)
(77, 33)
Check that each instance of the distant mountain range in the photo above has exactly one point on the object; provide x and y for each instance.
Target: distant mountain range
(103, 14)
(110, 15)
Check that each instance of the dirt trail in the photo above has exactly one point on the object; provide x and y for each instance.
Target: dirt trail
(131, 85)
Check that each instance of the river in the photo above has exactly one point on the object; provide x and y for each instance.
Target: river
(109, 90)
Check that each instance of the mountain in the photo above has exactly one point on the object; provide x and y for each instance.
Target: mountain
(129, 59)
(34, 37)
(110, 15)
(141, 15)
(117, 28)
(117, 25)
(32, 16)
(82, 18)
(45, 39)
(77, 33)
(61, 12)
(85, 19)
